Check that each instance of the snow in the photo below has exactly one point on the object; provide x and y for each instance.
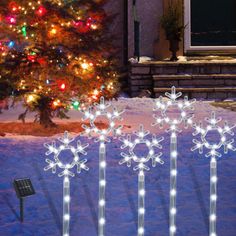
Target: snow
(24, 156)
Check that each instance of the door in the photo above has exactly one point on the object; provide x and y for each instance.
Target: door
(210, 25)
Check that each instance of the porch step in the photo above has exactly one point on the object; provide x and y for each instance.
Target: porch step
(201, 92)
(199, 79)
(194, 80)
(192, 76)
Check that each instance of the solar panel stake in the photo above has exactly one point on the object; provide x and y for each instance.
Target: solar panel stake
(22, 210)
(23, 188)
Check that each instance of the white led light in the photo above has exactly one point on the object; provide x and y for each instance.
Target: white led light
(142, 160)
(174, 103)
(174, 154)
(213, 217)
(173, 211)
(140, 230)
(103, 109)
(107, 111)
(67, 198)
(102, 202)
(103, 182)
(141, 164)
(214, 197)
(102, 221)
(141, 211)
(213, 148)
(172, 229)
(67, 170)
(66, 217)
(214, 179)
(183, 117)
(173, 192)
(142, 192)
(173, 172)
(103, 164)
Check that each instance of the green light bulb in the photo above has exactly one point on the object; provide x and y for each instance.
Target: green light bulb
(24, 32)
(76, 105)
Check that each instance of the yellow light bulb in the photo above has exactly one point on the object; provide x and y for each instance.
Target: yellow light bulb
(85, 66)
(30, 98)
(95, 92)
(53, 31)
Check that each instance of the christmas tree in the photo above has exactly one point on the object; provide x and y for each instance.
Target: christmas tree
(56, 55)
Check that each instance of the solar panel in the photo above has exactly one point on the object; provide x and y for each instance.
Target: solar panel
(23, 187)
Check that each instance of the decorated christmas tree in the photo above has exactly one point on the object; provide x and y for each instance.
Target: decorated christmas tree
(56, 55)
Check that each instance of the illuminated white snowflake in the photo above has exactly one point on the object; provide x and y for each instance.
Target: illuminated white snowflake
(66, 146)
(213, 126)
(141, 160)
(165, 105)
(105, 110)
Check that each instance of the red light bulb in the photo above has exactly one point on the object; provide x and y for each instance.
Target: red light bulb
(62, 86)
(11, 20)
(13, 6)
(41, 11)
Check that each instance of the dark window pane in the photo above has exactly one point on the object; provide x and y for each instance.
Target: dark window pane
(213, 22)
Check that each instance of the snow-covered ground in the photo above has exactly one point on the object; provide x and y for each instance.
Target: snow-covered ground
(23, 156)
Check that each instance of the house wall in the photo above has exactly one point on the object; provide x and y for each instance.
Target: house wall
(153, 42)
(149, 13)
(152, 39)
(117, 27)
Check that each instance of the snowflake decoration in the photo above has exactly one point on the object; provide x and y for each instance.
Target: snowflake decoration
(213, 125)
(173, 102)
(141, 139)
(102, 110)
(56, 151)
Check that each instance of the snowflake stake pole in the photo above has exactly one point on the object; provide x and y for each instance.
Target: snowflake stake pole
(105, 110)
(182, 106)
(225, 141)
(141, 165)
(67, 170)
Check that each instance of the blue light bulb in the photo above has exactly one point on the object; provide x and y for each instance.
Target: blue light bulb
(11, 44)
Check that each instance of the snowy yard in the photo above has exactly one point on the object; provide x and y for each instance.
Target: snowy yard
(24, 156)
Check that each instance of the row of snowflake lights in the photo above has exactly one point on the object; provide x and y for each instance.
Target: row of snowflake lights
(165, 106)
(109, 112)
(67, 170)
(141, 164)
(213, 126)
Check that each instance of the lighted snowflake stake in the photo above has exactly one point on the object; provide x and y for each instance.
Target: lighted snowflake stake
(141, 164)
(182, 108)
(67, 169)
(226, 141)
(105, 110)
(108, 111)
